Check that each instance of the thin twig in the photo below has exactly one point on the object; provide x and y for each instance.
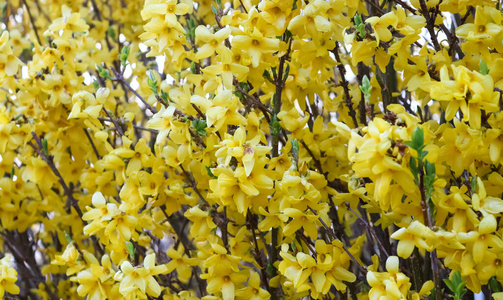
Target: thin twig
(193, 185)
(32, 21)
(430, 24)
(370, 228)
(360, 267)
(92, 144)
(117, 127)
(258, 257)
(317, 162)
(71, 201)
(119, 77)
(345, 85)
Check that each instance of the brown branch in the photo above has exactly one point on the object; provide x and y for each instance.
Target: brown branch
(360, 267)
(370, 228)
(119, 77)
(345, 85)
(71, 201)
(117, 127)
(32, 21)
(317, 162)
(92, 144)
(258, 257)
(430, 24)
(193, 185)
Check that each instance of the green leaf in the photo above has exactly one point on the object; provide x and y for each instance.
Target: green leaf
(460, 288)
(124, 55)
(294, 6)
(244, 86)
(449, 284)
(273, 69)
(295, 147)
(275, 127)
(130, 249)
(417, 142)
(102, 72)
(414, 169)
(270, 268)
(361, 30)
(164, 96)
(366, 88)
(474, 184)
(214, 10)
(210, 173)
(192, 25)
(152, 82)
(45, 148)
(193, 67)
(484, 70)
(456, 278)
(419, 111)
(267, 76)
(430, 169)
(200, 126)
(219, 3)
(96, 85)
(358, 20)
(292, 244)
(494, 285)
(287, 71)
(111, 33)
(68, 238)
(105, 74)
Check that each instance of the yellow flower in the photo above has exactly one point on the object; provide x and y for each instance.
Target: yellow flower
(393, 284)
(69, 258)
(221, 110)
(224, 281)
(253, 291)
(256, 45)
(211, 42)
(227, 69)
(380, 26)
(414, 235)
(469, 92)
(8, 277)
(202, 223)
(139, 281)
(313, 21)
(96, 281)
(93, 105)
(9, 63)
(181, 264)
(299, 220)
(170, 9)
(163, 122)
(483, 32)
(100, 215)
(69, 23)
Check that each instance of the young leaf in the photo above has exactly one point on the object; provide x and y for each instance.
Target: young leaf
(130, 249)
(45, 148)
(210, 173)
(484, 70)
(68, 238)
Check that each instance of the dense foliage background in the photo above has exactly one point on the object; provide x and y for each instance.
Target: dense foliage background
(246, 149)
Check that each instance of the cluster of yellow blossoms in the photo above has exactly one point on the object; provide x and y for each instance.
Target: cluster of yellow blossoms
(251, 149)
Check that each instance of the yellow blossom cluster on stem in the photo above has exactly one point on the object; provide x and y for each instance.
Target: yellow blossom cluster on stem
(251, 149)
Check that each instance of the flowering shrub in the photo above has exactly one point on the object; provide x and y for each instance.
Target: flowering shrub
(251, 149)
